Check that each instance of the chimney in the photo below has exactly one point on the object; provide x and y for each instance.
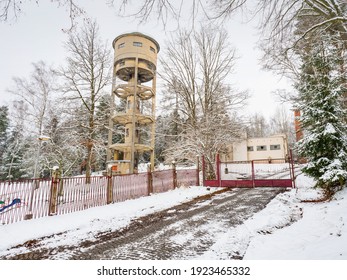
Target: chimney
(297, 126)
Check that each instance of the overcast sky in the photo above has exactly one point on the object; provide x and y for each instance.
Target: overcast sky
(37, 35)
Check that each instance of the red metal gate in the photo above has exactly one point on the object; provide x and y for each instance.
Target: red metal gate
(250, 174)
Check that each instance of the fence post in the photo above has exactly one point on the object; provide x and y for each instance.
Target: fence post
(174, 173)
(54, 192)
(203, 170)
(150, 180)
(253, 174)
(197, 171)
(218, 171)
(109, 190)
(29, 215)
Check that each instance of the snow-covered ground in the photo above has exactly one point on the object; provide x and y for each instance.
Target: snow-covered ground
(321, 233)
(319, 230)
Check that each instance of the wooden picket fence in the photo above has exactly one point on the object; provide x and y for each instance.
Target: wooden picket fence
(36, 198)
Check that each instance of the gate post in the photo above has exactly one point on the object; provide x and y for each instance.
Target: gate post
(218, 171)
(253, 174)
(197, 171)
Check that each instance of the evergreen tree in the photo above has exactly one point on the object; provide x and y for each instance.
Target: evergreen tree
(13, 156)
(168, 128)
(325, 139)
(4, 124)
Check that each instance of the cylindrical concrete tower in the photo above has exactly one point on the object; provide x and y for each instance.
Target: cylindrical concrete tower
(133, 90)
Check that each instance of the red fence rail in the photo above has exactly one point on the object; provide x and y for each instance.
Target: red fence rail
(35, 198)
(163, 181)
(74, 194)
(187, 177)
(32, 196)
(129, 186)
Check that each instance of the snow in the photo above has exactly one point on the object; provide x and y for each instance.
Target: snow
(286, 229)
(329, 129)
(321, 233)
(85, 224)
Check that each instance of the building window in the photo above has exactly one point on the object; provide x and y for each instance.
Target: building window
(121, 45)
(137, 44)
(275, 147)
(250, 149)
(261, 148)
(152, 49)
(127, 132)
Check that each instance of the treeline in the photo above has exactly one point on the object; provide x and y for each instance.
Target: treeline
(60, 116)
(304, 40)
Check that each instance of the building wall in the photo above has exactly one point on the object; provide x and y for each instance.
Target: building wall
(131, 45)
(273, 147)
(239, 151)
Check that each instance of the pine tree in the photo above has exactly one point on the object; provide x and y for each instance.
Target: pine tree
(4, 124)
(13, 156)
(324, 145)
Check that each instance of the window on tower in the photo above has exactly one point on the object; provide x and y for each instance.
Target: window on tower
(121, 45)
(152, 49)
(137, 44)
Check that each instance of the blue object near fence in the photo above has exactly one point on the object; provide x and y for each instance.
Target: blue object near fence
(14, 202)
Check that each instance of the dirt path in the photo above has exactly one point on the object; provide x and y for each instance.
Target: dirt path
(184, 232)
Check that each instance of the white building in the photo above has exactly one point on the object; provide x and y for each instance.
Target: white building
(262, 148)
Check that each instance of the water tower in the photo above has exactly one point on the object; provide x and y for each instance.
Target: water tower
(133, 101)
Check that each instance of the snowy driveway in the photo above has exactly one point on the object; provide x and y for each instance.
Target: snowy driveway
(188, 231)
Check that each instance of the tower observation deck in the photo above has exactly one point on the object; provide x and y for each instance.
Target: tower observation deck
(133, 101)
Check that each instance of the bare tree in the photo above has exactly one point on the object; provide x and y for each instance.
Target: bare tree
(85, 78)
(278, 16)
(164, 9)
(42, 125)
(278, 22)
(196, 66)
(11, 9)
(36, 94)
(257, 126)
(283, 122)
(290, 27)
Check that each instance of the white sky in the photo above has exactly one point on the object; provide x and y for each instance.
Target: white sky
(38, 35)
